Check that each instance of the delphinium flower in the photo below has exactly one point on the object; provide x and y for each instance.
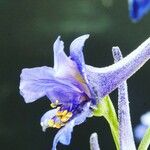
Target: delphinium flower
(74, 88)
(140, 129)
(138, 8)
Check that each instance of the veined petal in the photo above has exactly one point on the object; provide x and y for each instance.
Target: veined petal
(64, 135)
(76, 53)
(30, 88)
(63, 65)
(40, 81)
(60, 58)
(105, 80)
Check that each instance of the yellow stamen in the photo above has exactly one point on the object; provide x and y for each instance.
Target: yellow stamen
(51, 123)
(59, 113)
(57, 125)
(64, 112)
(65, 119)
(69, 114)
(53, 105)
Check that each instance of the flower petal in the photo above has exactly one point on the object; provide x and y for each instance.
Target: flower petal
(33, 81)
(76, 53)
(60, 57)
(105, 80)
(64, 135)
(145, 119)
(63, 65)
(138, 8)
(139, 131)
(40, 81)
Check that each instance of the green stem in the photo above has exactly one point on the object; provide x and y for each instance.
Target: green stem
(145, 141)
(107, 110)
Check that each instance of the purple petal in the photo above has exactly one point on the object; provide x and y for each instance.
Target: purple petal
(105, 80)
(60, 58)
(76, 53)
(64, 134)
(139, 131)
(138, 8)
(145, 119)
(63, 65)
(32, 83)
(38, 82)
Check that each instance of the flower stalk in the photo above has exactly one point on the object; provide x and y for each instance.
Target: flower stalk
(125, 127)
(94, 145)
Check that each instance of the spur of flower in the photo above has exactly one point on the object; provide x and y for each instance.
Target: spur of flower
(74, 88)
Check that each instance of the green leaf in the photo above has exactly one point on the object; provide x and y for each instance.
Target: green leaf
(145, 141)
(107, 110)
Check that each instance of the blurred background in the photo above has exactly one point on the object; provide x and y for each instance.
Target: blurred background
(27, 33)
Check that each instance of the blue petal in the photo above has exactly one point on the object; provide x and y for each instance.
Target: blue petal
(64, 135)
(32, 84)
(76, 53)
(63, 65)
(138, 8)
(145, 119)
(139, 131)
(47, 116)
(38, 82)
(60, 57)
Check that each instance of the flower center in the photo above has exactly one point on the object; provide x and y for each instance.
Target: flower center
(62, 116)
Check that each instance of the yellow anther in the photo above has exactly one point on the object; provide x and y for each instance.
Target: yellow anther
(59, 113)
(69, 115)
(64, 119)
(51, 123)
(53, 105)
(64, 112)
(57, 125)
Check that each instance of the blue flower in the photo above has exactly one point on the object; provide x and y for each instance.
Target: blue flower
(75, 88)
(141, 128)
(138, 8)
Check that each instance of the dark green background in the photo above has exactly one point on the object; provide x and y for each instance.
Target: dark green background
(28, 30)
